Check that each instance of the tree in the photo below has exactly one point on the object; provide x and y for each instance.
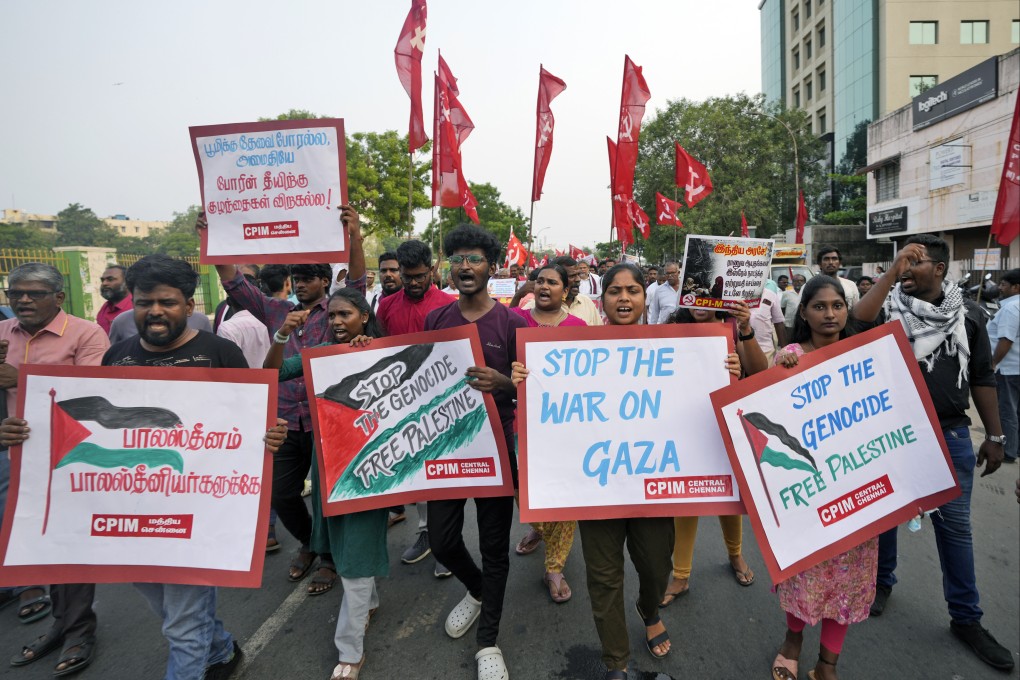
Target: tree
(378, 169)
(852, 190)
(749, 156)
(79, 226)
(25, 236)
(493, 214)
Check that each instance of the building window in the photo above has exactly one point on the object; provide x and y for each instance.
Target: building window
(807, 48)
(973, 32)
(796, 98)
(123, 230)
(887, 182)
(796, 58)
(821, 37)
(924, 32)
(821, 122)
(807, 9)
(1015, 39)
(796, 20)
(919, 84)
(821, 80)
(808, 90)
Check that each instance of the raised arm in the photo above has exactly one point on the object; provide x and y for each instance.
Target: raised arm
(870, 305)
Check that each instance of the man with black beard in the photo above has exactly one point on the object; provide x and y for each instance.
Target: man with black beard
(389, 279)
(115, 292)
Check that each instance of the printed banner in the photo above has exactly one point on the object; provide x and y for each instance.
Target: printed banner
(140, 474)
(718, 270)
(397, 422)
(836, 450)
(615, 421)
(270, 191)
(502, 288)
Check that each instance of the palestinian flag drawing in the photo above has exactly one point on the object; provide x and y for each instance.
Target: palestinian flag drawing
(758, 428)
(68, 435)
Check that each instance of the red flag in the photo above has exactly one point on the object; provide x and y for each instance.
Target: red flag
(667, 211)
(639, 218)
(515, 252)
(559, 253)
(575, 252)
(449, 185)
(1006, 220)
(549, 86)
(743, 225)
(532, 262)
(692, 177)
(802, 218)
(407, 54)
(545, 260)
(621, 214)
(65, 434)
(632, 109)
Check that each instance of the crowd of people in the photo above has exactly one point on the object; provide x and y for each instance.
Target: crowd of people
(275, 312)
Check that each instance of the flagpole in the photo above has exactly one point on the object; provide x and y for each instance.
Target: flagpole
(410, 192)
(675, 200)
(984, 267)
(49, 483)
(531, 230)
(757, 463)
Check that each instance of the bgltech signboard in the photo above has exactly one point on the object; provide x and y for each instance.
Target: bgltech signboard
(960, 93)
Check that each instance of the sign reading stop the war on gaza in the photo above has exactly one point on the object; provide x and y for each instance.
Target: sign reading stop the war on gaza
(615, 421)
(270, 191)
(398, 422)
(835, 450)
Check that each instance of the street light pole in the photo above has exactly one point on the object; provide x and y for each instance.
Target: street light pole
(796, 158)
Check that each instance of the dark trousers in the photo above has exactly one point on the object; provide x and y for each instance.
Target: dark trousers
(290, 466)
(488, 584)
(650, 544)
(73, 616)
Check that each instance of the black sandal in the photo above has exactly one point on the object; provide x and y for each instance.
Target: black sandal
(320, 580)
(811, 673)
(40, 647)
(658, 639)
(78, 660)
(299, 562)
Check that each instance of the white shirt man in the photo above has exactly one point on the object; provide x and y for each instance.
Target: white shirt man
(666, 296)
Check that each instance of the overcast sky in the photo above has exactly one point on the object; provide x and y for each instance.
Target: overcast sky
(97, 96)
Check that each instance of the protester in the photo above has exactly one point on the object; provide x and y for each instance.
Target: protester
(791, 301)
(829, 261)
(357, 540)
(652, 277)
(293, 459)
(950, 342)
(389, 279)
(783, 282)
(42, 333)
(839, 590)
(753, 360)
(1004, 333)
(405, 312)
(767, 318)
(115, 292)
(551, 285)
(123, 327)
(864, 284)
(472, 253)
(223, 310)
(666, 297)
(274, 279)
(579, 305)
(588, 284)
(649, 539)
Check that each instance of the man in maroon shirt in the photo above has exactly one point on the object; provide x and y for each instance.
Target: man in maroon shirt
(404, 312)
(114, 290)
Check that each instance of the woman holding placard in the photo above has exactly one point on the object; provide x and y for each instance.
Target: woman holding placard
(753, 360)
(551, 284)
(840, 590)
(356, 540)
(649, 540)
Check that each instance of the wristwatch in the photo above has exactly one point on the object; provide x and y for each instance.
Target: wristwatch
(745, 338)
(997, 438)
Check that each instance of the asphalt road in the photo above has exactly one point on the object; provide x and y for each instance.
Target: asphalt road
(719, 631)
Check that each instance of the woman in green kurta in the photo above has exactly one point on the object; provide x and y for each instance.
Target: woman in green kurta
(357, 540)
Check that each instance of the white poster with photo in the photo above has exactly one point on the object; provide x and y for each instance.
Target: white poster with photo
(615, 421)
(270, 191)
(719, 270)
(139, 474)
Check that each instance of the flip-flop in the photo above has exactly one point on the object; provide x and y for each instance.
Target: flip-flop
(32, 614)
(784, 669)
(319, 579)
(272, 545)
(556, 587)
(347, 671)
(744, 578)
(40, 647)
(529, 543)
(299, 563)
(668, 598)
(79, 659)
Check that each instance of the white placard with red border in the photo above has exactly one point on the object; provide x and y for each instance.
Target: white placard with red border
(140, 474)
(721, 270)
(836, 450)
(270, 191)
(398, 422)
(615, 421)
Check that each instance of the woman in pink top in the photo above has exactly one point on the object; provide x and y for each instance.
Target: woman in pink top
(551, 286)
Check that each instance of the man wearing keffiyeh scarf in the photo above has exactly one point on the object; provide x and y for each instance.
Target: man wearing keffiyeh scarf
(951, 344)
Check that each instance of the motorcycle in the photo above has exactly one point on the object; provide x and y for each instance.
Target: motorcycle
(989, 293)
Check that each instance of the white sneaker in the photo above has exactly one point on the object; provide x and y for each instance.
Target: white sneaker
(491, 665)
(463, 616)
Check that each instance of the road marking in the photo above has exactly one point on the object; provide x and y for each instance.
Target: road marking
(271, 626)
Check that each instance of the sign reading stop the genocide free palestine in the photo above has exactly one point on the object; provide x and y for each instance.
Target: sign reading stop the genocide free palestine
(270, 191)
(836, 450)
(718, 271)
(397, 422)
(140, 474)
(615, 421)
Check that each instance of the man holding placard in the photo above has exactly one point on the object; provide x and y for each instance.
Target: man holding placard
(951, 344)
